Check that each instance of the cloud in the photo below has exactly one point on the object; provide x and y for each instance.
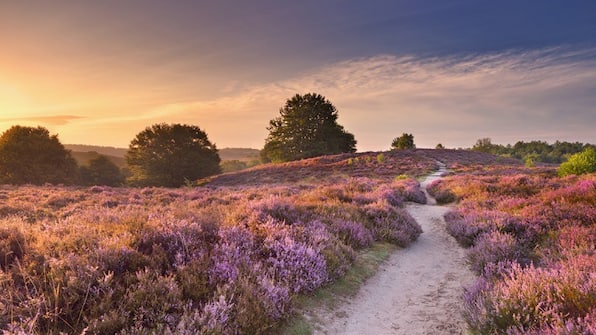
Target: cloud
(509, 96)
(55, 120)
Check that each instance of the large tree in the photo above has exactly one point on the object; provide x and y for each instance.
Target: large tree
(31, 155)
(170, 155)
(307, 127)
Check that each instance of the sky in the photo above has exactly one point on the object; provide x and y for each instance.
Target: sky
(449, 72)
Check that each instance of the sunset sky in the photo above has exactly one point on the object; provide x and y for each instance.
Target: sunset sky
(99, 72)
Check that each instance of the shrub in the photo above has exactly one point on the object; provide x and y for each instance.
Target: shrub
(441, 193)
(580, 163)
(391, 224)
(530, 299)
(493, 247)
(352, 233)
(410, 190)
(12, 246)
(296, 264)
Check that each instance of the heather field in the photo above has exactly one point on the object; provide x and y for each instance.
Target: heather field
(210, 260)
(531, 239)
(232, 255)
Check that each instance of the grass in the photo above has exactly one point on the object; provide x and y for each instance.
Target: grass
(328, 297)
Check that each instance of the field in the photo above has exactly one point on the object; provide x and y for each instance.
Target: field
(232, 255)
(531, 237)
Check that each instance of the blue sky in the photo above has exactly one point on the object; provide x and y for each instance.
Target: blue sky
(447, 71)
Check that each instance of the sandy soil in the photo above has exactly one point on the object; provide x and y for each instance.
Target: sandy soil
(417, 291)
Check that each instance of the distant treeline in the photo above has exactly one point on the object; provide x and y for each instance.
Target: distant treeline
(533, 151)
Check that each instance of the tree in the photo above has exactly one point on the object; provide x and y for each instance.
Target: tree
(484, 145)
(580, 163)
(307, 127)
(171, 155)
(439, 146)
(31, 155)
(405, 141)
(101, 171)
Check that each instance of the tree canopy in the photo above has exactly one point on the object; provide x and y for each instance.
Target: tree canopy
(307, 127)
(171, 155)
(405, 141)
(30, 155)
(533, 151)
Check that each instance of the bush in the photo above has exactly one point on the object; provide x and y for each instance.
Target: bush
(528, 300)
(580, 163)
(393, 225)
(12, 246)
(441, 193)
(493, 247)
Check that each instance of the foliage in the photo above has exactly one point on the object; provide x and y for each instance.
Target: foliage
(532, 152)
(580, 163)
(170, 155)
(307, 127)
(531, 236)
(405, 141)
(226, 260)
(32, 155)
(101, 171)
(439, 146)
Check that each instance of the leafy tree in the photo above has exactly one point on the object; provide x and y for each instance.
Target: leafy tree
(580, 163)
(484, 145)
(32, 155)
(170, 155)
(307, 127)
(405, 141)
(101, 171)
(439, 146)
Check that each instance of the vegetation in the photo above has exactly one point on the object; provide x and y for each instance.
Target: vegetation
(101, 171)
(531, 238)
(532, 152)
(223, 260)
(241, 154)
(580, 163)
(307, 127)
(85, 157)
(171, 155)
(32, 156)
(405, 141)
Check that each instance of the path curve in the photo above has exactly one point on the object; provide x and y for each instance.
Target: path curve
(417, 291)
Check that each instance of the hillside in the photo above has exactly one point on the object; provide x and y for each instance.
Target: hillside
(83, 158)
(226, 154)
(108, 151)
(382, 165)
(241, 154)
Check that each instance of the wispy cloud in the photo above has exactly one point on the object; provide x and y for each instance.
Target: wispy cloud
(54, 120)
(541, 94)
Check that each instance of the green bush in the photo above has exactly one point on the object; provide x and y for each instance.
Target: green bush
(580, 163)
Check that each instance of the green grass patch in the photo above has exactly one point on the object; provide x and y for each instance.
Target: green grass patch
(365, 266)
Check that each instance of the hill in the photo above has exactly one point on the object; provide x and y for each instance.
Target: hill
(83, 158)
(226, 154)
(240, 154)
(108, 151)
(383, 165)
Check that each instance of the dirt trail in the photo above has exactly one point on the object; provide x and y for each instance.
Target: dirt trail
(417, 291)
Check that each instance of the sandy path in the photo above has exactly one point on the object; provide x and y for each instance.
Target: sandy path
(418, 289)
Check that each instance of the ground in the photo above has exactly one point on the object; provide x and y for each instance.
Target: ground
(417, 291)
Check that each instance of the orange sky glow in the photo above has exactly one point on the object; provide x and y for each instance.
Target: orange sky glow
(96, 77)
